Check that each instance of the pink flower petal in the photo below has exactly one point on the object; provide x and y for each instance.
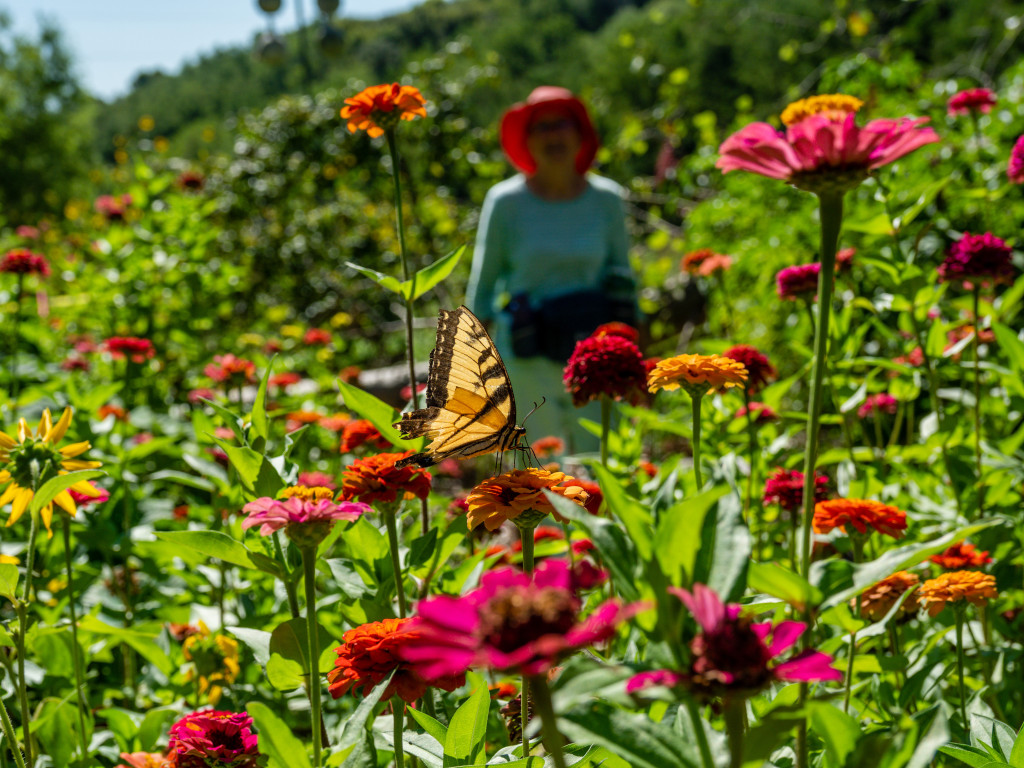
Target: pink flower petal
(784, 636)
(808, 666)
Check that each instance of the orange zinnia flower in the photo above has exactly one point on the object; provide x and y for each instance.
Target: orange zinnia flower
(369, 654)
(878, 600)
(519, 496)
(861, 514)
(696, 374)
(956, 586)
(379, 108)
(377, 479)
(960, 556)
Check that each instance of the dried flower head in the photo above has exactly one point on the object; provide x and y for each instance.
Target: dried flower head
(519, 496)
(697, 374)
(380, 108)
(955, 587)
(878, 600)
(860, 514)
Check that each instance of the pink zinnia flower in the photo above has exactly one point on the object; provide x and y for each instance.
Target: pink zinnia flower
(28, 232)
(82, 500)
(786, 488)
(230, 370)
(512, 622)
(272, 514)
(135, 349)
(22, 261)
(759, 369)
(877, 405)
(209, 738)
(1015, 168)
(762, 413)
(972, 100)
(823, 148)
(201, 393)
(285, 379)
(735, 657)
(317, 480)
(844, 258)
(112, 208)
(798, 282)
(978, 257)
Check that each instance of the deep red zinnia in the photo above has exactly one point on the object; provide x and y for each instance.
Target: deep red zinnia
(22, 261)
(980, 100)
(209, 738)
(606, 365)
(882, 403)
(759, 370)
(135, 349)
(1015, 167)
(978, 257)
(786, 488)
(798, 282)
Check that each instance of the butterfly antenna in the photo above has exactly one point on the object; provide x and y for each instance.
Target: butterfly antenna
(535, 407)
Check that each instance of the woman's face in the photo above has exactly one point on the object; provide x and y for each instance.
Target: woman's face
(554, 139)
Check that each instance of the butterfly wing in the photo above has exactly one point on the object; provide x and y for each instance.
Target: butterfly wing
(470, 406)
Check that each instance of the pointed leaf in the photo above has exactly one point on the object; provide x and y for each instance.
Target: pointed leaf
(8, 580)
(276, 738)
(378, 413)
(634, 515)
(433, 727)
(384, 281)
(464, 741)
(432, 274)
(838, 730)
(260, 422)
(222, 547)
(774, 580)
(52, 487)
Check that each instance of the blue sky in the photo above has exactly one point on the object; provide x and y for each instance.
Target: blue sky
(113, 40)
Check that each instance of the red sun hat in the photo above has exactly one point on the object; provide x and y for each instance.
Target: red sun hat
(516, 122)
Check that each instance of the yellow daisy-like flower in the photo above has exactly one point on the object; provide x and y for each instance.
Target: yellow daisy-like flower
(835, 106)
(214, 659)
(697, 374)
(32, 459)
(957, 586)
(309, 493)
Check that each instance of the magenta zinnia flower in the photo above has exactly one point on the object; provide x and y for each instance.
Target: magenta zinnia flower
(878, 404)
(207, 738)
(512, 622)
(798, 282)
(735, 657)
(759, 370)
(786, 488)
(136, 349)
(978, 257)
(1015, 168)
(272, 515)
(823, 147)
(972, 100)
(605, 364)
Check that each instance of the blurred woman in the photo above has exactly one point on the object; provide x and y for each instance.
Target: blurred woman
(551, 258)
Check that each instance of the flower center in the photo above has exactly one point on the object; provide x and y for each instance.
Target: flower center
(519, 616)
(834, 106)
(733, 655)
(33, 462)
(309, 493)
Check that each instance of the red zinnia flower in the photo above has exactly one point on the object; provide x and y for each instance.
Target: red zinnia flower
(915, 358)
(113, 208)
(369, 654)
(877, 405)
(844, 258)
(1015, 168)
(616, 328)
(284, 379)
(119, 413)
(209, 738)
(861, 514)
(798, 282)
(786, 488)
(762, 413)
(316, 336)
(231, 371)
(381, 107)
(377, 479)
(135, 349)
(960, 556)
(350, 374)
(512, 622)
(972, 100)
(604, 365)
(735, 657)
(359, 432)
(74, 363)
(759, 370)
(978, 257)
(548, 447)
(22, 261)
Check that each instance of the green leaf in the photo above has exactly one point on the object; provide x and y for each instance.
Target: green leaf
(464, 741)
(432, 274)
(378, 413)
(55, 726)
(997, 734)
(124, 724)
(288, 666)
(55, 485)
(257, 473)
(1016, 757)
(772, 579)
(233, 421)
(433, 727)
(276, 738)
(260, 422)
(677, 540)
(9, 581)
(152, 728)
(384, 281)
(222, 547)
(631, 736)
(634, 515)
(837, 730)
(1011, 346)
(144, 643)
(973, 756)
(355, 724)
(724, 553)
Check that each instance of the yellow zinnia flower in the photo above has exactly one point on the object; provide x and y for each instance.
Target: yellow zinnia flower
(32, 459)
(696, 374)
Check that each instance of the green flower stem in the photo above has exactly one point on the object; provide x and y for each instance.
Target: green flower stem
(398, 710)
(289, 584)
(549, 729)
(75, 647)
(16, 336)
(606, 420)
(735, 731)
(9, 734)
(958, 612)
(977, 399)
(849, 671)
(706, 760)
(396, 565)
(933, 396)
(752, 447)
(831, 211)
(696, 440)
(524, 714)
(396, 175)
(526, 537)
(313, 638)
(22, 610)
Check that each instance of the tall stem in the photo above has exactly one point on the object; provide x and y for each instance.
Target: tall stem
(849, 669)
(9, 735)
(398, 711)
(707, 761)
(397, 176)
(22, 609)
(831, 212)
(396, 564)
(75, 648)
(313, 637)
(696, 440)
(977, 399)
(289, 585)
(549, 728)
(959, 614)
(606, 420)
(734, 729)
(526, 538)
(752, 437)
(16, 337)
